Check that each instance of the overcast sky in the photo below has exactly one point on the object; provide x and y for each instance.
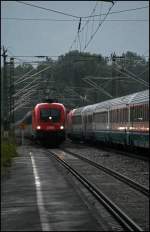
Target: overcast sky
(54, 38)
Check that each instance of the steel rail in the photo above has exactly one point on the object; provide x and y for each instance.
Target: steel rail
(113, 173)
(120, 216)
(129, 154)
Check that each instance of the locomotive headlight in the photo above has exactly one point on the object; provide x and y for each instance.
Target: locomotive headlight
(38, 127)
(61, 127)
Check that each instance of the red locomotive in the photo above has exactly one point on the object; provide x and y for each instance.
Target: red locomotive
(48, 122)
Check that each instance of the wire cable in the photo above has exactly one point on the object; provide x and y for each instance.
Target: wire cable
(75, 20)
(116, 12)
(74, 16)
(86, 23)
(92, 36)
(33, 75)
(55, 11)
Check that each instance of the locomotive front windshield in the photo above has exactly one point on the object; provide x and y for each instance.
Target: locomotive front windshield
(52, 115)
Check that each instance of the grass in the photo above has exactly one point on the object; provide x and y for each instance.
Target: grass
(8, 152)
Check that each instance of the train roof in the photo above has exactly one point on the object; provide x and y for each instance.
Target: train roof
(49, 104)
(135, 98)
(140, 97)
(78, 110)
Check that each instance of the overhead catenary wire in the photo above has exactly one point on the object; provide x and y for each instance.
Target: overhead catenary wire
(19, 106)
(99, 25)
(86, 23)
(19, 91)
(75, 16)
(24, 96)
(117, 12)
(78, 30)
(23, 90)
(74, 20)
(33, 75)
(129, 74)
(20, 78)
(49, 56)
(89, 20)
(44, 8)
(91, 37)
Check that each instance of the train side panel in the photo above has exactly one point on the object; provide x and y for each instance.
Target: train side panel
(123, 121)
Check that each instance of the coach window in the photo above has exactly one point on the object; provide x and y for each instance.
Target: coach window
(96, 117)
(84, 119)
(118, 120)
(113, 116)
(147, 112)
(123, 118)
(110, 115)
(132, 112)
(144, 109)
(117, 111)
(135, 113)
(121, 115)
(116, 115)
(89, 118)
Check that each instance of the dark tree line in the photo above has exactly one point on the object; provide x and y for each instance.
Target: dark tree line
(67, 82)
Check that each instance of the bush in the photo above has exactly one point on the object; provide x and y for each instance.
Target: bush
(8, 151)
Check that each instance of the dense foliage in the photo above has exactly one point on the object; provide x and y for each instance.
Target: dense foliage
(8, 151)
(77, 79)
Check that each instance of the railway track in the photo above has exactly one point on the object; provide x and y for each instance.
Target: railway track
(130, 166)
(86, 176)
(111, 172)
(137, 155)
(140, 154)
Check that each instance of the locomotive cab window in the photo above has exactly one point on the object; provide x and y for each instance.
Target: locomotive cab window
(50, 114)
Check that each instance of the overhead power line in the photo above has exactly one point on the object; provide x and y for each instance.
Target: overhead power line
(116, 12)
(75, 20)
(27, 73)
(99, 25)
(33, 56)
(35, 74)
(71, 55)
(55, 11)
(78, 17)
(86, 24)
(93, 33)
